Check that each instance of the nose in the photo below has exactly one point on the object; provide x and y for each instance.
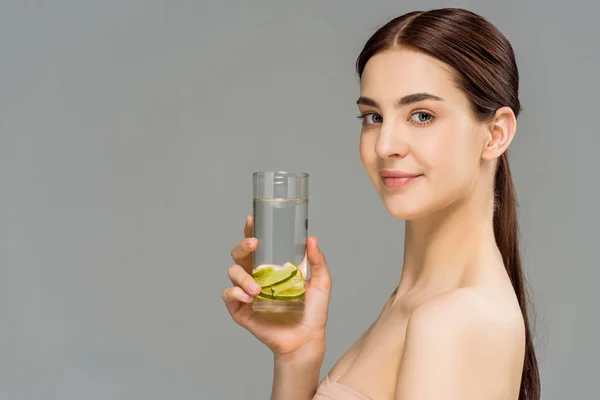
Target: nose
(390, 142)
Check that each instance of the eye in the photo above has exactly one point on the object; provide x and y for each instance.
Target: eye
(371, 118)
(421, 117)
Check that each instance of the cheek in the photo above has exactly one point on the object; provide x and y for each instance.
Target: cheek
(451, 160)
(367, 152)
(368, 157)
(452, 152)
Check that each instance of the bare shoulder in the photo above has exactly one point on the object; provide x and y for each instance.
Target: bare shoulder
(467, 311)
(462, 344)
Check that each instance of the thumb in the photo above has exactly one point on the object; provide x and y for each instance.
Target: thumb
(319, 273)
(319, 287)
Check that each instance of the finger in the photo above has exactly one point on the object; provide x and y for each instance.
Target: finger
(239, 277)
(234, 295)
(318, 288)
(318, 265)
(242, 253)
(249, 226)
(236, 301)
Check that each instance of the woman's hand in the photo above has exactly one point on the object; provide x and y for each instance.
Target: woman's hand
(286, 334)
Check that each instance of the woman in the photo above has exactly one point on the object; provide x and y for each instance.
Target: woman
(438, 104)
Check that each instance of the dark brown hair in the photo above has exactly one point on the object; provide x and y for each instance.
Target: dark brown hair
(485, 70)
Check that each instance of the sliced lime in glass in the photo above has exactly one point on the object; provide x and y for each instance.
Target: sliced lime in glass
(290, 294)
(257, 273)
(268, 277)
(295, 283)
(291, 289)
(285, 295)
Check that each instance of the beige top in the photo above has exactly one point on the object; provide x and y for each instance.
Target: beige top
(328, 390)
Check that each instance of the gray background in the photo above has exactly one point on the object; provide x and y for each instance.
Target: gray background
(128, 134)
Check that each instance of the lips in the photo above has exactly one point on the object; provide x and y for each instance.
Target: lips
(393, 173)
(395, 178)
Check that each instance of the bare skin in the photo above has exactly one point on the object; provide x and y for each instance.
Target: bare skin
(453, 329)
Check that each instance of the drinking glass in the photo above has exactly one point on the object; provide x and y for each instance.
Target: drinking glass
(280, 203)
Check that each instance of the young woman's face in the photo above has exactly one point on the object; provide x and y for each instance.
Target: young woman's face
(420, 143)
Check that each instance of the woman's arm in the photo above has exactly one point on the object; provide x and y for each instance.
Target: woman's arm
(296, 377)
(459, 346)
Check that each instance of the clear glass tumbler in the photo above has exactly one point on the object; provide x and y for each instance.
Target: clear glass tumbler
(281, 227)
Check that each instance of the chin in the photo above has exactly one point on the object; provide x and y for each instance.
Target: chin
(406, 210)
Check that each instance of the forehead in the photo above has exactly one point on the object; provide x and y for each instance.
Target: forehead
(395, 73)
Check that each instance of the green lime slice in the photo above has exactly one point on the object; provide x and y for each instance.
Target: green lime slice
(273, 276)
(291, 294)
(291, 289)
(289, 264)
(297, 282)
(286, 295)
(260, 272)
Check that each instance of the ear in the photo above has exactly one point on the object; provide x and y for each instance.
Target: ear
(501, 131)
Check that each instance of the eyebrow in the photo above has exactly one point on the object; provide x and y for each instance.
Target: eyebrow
(404, 101)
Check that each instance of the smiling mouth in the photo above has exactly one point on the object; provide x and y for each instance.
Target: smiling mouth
(398, 181)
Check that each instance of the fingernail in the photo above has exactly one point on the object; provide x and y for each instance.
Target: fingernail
(247, 296)
(254, 287)
(250, 241)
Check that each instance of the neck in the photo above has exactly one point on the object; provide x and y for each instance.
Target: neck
(444, 248)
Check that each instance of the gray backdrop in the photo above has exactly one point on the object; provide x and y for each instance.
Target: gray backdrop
(128, 134)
